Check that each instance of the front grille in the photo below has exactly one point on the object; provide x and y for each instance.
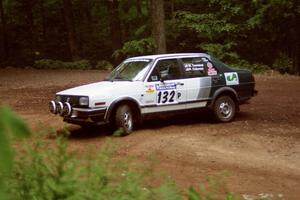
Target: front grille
(73, 100)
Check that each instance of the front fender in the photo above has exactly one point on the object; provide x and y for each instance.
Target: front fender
(119, 101)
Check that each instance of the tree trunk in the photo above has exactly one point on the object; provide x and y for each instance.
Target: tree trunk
(44, 24)
(4, 33)
(70, 27)
(297, 42)
(138, 8)
(31, 32)
(87, 14)
(43, 45)
(114, 24)
(158, 25)
(172, 10)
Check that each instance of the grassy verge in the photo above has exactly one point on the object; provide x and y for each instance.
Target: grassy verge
(41, 171)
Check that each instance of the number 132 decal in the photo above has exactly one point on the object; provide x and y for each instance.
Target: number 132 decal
(166, 97)
(166, 93)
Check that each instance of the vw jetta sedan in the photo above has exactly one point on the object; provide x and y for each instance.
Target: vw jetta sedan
(148, 86)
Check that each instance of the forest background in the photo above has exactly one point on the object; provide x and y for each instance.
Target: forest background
(257, 34)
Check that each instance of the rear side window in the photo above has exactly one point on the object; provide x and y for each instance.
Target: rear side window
(198, 67)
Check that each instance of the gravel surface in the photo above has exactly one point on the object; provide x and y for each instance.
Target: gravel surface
(260, 149)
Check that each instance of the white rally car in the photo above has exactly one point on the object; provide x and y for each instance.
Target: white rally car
(146, 86)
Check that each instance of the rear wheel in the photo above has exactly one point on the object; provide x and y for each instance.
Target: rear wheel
(124, 119)
(224, 109)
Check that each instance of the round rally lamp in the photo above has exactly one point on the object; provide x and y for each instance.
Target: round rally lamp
(59, 107)
(67, 109)
(52, 107)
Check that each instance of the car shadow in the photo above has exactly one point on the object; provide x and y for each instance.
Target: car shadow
(82, 133)
(244, 116)
(202, 117)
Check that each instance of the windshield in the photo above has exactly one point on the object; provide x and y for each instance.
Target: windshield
(130, 70)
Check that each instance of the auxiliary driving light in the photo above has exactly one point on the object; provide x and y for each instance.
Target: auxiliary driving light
(59, 107)
(52, 107)
(67, 110)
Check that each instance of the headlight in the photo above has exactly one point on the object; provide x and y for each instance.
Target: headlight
(84, 101)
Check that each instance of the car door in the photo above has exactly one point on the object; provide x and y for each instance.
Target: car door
(165, 87)
(199, 74)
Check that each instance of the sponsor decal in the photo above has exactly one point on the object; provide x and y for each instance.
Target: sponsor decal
(165, 86)
(188, 67)
(193, 67)
(231, 78)
(166, 93)
(154, 78)
(211, 70)
(209, 65)
(150, 89)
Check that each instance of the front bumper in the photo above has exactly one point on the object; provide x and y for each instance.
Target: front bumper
(78, 115)
(86, 115)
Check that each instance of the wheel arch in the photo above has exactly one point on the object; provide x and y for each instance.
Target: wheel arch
(133, 104)
(225, 91)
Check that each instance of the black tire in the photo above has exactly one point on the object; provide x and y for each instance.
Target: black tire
(124, 119)
(224, 109)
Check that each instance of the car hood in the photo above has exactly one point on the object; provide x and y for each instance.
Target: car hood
(93, 89)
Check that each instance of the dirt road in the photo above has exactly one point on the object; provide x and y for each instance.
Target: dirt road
(260, 149)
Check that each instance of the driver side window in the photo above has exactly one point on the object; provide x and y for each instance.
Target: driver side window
(166, 70)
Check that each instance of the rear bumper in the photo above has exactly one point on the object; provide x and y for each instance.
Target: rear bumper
(254, 93)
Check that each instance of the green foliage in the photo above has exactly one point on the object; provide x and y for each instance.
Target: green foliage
(103, 65)
(118, 133)
(215, 190)
(10, 124)
(36, 178)
(222, 52)
(272, 11)
(46, 172)
(81, 64)
(58, 64)
(208, 25)
(283, 64)
(255, 67)
(256, 31)
(136, 47)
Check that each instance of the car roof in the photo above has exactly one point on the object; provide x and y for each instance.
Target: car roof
(171, 55)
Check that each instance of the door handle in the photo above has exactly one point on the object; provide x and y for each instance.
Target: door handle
(179, 83)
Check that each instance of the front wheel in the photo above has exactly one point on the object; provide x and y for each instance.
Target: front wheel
(124, 119)
(224, 109)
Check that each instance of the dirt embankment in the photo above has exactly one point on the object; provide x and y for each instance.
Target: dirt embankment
(261, 148)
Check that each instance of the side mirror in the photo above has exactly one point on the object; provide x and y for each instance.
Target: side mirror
(163, 77)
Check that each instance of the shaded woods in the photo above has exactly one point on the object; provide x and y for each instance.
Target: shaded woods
(239, 32)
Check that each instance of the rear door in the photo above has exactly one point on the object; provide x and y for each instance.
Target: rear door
(200, 77)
